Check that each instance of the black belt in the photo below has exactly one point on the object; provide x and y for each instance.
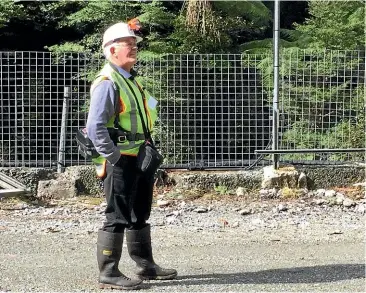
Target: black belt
(119, 136)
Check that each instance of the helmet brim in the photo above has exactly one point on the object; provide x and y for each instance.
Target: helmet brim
(138, 40)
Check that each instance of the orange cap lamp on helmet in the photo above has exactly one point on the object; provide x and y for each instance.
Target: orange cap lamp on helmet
(121, 30)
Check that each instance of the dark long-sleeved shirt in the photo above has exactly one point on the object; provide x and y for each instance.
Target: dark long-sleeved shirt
(102, 108)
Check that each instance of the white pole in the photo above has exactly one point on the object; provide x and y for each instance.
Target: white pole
(61, 154)
(275, 80)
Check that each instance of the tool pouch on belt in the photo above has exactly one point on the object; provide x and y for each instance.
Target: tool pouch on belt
(85, 146)
(148, 158)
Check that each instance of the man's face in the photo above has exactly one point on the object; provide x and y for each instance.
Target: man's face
(125, 51)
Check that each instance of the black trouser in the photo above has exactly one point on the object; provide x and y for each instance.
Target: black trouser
(128, 194)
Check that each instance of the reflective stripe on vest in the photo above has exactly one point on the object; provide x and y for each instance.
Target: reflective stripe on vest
(133, 113)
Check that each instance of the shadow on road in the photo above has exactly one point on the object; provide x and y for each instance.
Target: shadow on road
(315, 274)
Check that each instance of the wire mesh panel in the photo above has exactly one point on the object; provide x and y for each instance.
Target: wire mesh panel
(323, 103)
(215, 110)
(32, 86)
(30, 114)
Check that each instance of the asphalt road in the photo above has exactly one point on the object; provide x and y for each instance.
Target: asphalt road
(230, 260)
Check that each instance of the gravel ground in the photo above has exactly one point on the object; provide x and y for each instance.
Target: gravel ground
(216, 245)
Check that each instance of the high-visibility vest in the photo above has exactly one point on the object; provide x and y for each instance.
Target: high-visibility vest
(129, 117)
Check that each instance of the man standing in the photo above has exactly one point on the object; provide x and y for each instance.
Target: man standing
(115, 127)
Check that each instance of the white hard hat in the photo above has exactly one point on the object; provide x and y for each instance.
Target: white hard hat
(117, 31)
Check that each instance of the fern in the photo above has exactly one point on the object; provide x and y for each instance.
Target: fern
(66, 47)
(290, 35)
(263, 46)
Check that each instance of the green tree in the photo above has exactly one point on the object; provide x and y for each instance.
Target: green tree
(31, 25)
(321, 79)
(8, 10)
(337, 25)
(218, 26)
(90, 20)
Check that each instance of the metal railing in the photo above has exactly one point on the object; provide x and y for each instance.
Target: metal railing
(215, 110)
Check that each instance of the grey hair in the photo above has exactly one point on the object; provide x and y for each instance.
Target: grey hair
(107, 51)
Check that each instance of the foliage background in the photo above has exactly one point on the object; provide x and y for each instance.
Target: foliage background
(309, 31)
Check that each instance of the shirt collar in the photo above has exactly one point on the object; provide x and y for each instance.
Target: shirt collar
(124, 73)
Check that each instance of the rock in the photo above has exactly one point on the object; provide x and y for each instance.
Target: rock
(173, 213)
(244, 212)
(279, 178)
(339, 198)
(85, 179)
(235, 225)
(269, 193)
(257, 222)
(303, 224)
(263, 192)
(360, 209)
(303, 192)
(59, 211)
(280, 193)
(330, 193)
(48, 211)
(332, 201)
(282, 207)
(170, 219)
(336, 232)
(320, 192)
(66, 212)
(57, 189)
(200, 210)
(275, 239)
(311, 193)
(163, 203)
(240, 191)
(273, 193)
(319, 201)
(299, 209)
(348, 202)
(302, 182)
(291, 192)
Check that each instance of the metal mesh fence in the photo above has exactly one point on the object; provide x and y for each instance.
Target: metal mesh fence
(323, 103)
(215, 110)
(32, 85)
